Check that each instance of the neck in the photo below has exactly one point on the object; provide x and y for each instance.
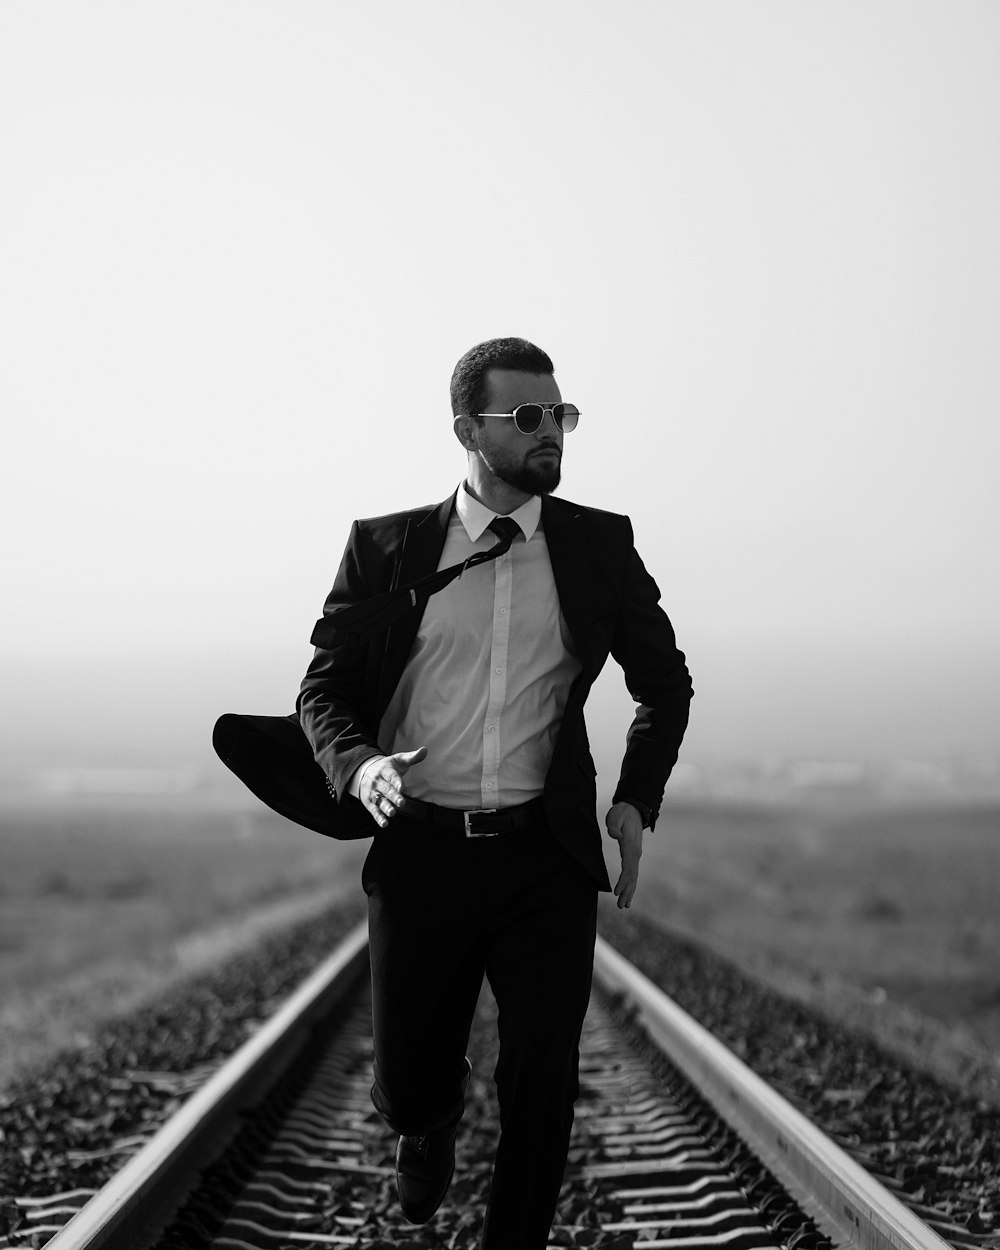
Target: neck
(498, 496)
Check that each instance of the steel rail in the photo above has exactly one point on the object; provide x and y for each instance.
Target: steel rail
(134, 1205)
(849, 1204)
(641, 1142)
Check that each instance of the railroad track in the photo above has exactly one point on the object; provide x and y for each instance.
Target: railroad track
(676, 1143)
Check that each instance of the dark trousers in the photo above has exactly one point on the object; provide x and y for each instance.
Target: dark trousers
(443, 911)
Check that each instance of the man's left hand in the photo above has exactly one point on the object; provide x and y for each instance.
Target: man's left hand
(625, 826)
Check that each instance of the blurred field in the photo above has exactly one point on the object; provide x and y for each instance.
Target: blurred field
(878, 912)
(882, 913)
(102, 902)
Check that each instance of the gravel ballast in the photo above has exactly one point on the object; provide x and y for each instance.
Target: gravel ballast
(941, 1146)
(69, 1125)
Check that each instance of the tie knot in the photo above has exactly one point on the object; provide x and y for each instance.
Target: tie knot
(504, 528)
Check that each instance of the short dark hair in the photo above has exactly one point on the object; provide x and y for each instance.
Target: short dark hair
(468, 388)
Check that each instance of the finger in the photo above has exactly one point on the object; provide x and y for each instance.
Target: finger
(374, 805)
(375, 808)
(373, 797)
(391, 788)
(626, 888)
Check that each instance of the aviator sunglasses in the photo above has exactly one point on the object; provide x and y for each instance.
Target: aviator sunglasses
(528, 417)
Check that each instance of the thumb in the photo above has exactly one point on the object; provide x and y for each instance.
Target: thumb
(406, 759)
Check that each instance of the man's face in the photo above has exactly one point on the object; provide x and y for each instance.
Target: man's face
(528, 462)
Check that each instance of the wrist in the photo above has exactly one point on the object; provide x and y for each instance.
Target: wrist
(646, 813)
(370, 763)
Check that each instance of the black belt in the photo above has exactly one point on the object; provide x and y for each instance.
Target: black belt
(480, 822)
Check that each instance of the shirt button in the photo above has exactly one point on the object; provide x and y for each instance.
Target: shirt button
(498, 669)
(503, 611)
(490, 728)
(489, 785)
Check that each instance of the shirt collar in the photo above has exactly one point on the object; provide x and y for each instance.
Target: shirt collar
(476, 516)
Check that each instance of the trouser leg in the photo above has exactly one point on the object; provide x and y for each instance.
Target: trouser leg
(539, 963)
(427, 971)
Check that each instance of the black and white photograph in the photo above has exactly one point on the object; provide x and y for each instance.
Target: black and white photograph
(500, 649)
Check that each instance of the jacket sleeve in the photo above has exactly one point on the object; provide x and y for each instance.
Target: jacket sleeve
(332, 699)
(657, 678)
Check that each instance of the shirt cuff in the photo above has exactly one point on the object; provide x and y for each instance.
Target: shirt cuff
(354, 785)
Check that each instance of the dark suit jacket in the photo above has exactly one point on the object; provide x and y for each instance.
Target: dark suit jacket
(611, 604)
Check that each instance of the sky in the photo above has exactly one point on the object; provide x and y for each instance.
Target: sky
(242, 245)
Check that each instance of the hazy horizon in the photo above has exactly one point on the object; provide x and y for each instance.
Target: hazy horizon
(142, 714)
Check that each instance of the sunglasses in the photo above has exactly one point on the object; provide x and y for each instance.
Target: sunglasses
(528, 417)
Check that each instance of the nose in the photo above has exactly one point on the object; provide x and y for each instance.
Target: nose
(548, 416)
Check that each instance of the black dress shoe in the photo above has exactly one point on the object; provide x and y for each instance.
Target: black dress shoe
(425, 1166)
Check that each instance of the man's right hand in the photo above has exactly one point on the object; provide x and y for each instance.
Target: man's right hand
(381, 788)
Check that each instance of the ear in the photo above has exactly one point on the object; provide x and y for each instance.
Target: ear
(465, 431)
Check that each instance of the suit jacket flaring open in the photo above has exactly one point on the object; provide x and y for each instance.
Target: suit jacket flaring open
(611, 606)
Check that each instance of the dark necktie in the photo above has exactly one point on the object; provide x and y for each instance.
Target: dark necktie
(380, 611)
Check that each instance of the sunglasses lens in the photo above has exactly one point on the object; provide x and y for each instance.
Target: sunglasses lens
(528, 417)
(566, 416)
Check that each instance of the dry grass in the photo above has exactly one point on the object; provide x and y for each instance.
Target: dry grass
(883, 916)
(101, 906)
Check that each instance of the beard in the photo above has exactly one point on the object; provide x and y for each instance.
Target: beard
(537, 475)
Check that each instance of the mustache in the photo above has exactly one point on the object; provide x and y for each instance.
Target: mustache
(547, 447)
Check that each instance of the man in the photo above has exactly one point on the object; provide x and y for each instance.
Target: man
(461, 730)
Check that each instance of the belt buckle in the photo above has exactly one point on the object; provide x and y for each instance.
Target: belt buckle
(479, 811)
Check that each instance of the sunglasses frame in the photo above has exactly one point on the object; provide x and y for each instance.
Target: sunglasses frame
(550, 408)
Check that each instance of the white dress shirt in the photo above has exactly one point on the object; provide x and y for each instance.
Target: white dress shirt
(488, 676)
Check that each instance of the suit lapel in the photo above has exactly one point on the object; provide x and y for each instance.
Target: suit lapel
(569, 552)
(419, 554)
